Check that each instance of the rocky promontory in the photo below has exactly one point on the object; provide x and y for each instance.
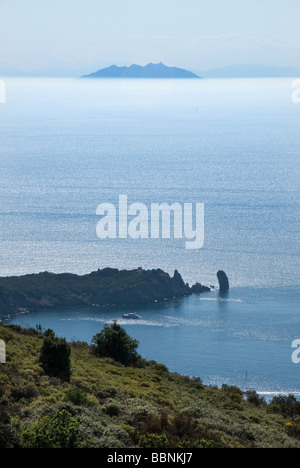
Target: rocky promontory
(103, 287)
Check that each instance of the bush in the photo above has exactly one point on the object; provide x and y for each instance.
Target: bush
(236, 398)
(113, 342)
(104, 393)
(112, 410)
(60, 431)
(293, 428)
(232, 390)
(55, 357)
(26, 391)
(202, 444)
(8, 434)
(274, 409)
(153, 441)
(76, 396)
(183, 426)
(160, 368)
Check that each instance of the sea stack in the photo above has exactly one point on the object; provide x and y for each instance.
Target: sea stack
(223, 281)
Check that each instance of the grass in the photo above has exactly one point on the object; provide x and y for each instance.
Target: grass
(117, 406)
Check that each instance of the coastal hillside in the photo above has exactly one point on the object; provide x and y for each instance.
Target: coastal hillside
(152, 71)
(106, 404)
(103, 287)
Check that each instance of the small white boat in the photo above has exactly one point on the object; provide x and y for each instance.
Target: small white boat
(131, 316)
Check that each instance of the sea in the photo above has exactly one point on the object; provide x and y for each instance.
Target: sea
(68, 145)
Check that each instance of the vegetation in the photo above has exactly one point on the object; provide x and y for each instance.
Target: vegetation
(255, 399)
(110, 404)
(113, 342)
(107, 286)
(59, 431)
(55, 356)
(153, 441)
(8, 435)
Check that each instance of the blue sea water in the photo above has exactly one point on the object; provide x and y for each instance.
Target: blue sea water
(68, 145)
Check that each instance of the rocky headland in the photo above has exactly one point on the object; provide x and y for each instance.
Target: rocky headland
(103, 287)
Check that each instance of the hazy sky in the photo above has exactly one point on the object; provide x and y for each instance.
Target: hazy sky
(75, 37)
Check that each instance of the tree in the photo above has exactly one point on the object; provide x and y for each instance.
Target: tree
(255, 399)
(55, 356)
(287, 404)
(113, 342)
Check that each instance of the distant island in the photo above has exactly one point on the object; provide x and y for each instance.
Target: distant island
(161, 71)
(151, 70)
(103, 287)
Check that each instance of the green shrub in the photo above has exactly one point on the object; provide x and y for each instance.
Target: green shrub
(274, 409)
(153, 441)
(104, 393)
(293, 428)
(60, 431)
(202, 444)
(8, 434)
(26, 391)
(112, 410)
(229, 390)
(236, 398)
(160, 368)
(183, 426)
(77, 396)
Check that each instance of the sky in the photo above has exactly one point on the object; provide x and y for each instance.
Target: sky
(76, 37)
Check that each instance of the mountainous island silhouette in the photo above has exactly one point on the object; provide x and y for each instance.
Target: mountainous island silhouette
(151, 70)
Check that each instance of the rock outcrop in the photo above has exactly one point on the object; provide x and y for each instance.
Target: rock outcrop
(223, 281)
(199, 289)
